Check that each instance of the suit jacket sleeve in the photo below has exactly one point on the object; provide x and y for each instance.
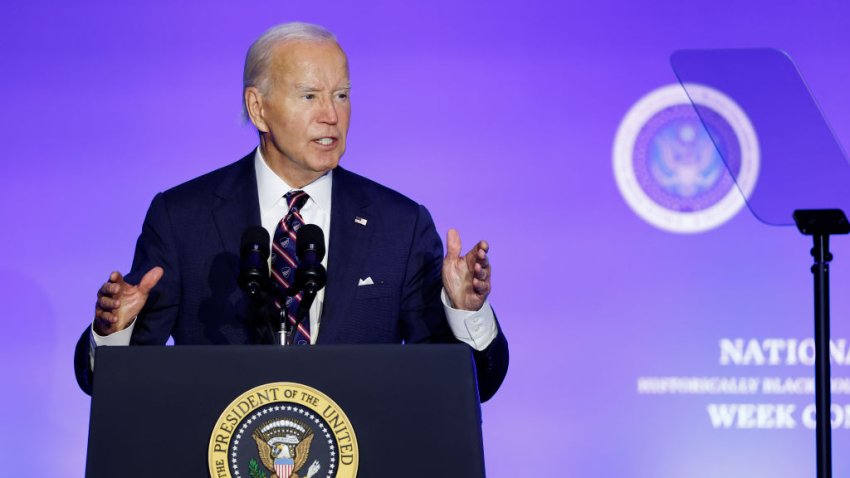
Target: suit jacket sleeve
(423, 317)
(155, 247)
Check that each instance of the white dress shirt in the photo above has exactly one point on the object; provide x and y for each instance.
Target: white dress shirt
(475, 328)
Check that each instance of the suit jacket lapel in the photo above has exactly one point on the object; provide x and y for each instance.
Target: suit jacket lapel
(348, 243)
(236, 206)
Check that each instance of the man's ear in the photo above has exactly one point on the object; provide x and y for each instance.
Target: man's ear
(254, 108)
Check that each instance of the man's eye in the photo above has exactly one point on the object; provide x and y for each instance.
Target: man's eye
(309, 96)
(342, 96)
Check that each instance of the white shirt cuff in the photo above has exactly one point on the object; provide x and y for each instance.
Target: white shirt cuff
(474, 328)
(122, 337)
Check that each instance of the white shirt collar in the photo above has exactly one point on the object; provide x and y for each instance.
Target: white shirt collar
(271, 188)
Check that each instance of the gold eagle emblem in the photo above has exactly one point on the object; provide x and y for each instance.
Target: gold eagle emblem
(285, 438)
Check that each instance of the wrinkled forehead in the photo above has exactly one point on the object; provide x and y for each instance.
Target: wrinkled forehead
(295, 59)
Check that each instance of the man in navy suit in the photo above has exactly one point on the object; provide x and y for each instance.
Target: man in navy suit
(388, 281)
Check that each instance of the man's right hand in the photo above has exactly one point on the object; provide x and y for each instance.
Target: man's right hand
(118, 302)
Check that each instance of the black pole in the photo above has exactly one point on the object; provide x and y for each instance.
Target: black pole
(820, 270)
(820, 224)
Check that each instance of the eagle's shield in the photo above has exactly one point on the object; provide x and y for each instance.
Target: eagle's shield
(283, 467)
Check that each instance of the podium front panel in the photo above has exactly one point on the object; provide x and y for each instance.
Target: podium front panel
(414, 408)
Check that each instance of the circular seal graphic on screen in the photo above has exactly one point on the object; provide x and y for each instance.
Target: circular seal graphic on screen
(677, 170)
(283, 430)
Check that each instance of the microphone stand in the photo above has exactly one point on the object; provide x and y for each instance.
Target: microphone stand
(308, 295)
(287, 329)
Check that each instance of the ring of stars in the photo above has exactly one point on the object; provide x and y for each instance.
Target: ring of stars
(278, 409)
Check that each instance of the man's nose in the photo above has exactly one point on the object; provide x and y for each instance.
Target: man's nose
(328, 113)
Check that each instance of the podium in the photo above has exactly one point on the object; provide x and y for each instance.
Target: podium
(251, 411)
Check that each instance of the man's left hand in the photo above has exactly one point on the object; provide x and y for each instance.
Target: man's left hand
(466, 279)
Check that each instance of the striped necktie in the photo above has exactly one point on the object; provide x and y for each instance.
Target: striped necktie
(284, 260)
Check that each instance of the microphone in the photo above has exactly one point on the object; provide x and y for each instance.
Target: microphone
(253, 264)
(310, 276)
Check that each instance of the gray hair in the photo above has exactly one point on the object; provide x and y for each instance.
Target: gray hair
(258, 59)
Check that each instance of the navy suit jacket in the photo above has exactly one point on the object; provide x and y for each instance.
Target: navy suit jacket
(194, 230)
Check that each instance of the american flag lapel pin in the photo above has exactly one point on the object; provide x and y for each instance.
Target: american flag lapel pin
(360, 220)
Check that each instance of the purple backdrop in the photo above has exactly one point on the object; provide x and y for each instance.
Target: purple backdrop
(500, 117)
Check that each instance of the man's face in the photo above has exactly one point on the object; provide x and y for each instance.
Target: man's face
(305, 110)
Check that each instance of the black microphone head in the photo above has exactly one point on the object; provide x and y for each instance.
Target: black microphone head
(255, 237)
(310, 238)
(253, 261)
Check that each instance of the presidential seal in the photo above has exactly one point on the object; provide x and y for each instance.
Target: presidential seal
(682, 172)
(283, 430)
